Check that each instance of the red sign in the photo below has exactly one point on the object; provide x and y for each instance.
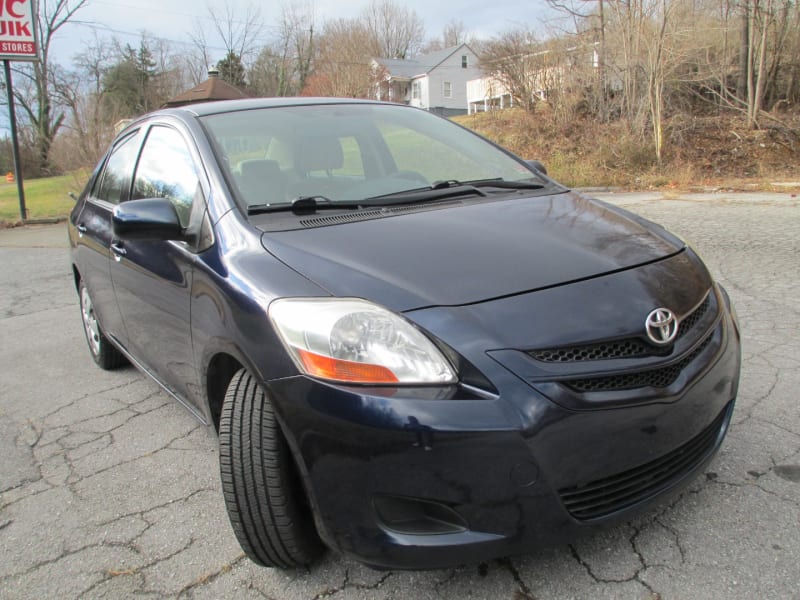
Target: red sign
(17, 30)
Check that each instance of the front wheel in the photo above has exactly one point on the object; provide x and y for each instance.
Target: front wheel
(263, 494)
(103, 352)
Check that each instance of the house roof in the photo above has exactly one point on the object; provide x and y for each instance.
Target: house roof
(213, 88)
(402, 69)
(408, 69)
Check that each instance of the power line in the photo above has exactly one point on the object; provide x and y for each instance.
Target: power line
(151, 10)
(138, 34)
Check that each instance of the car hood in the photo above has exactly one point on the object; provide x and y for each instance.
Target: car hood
(471, 252)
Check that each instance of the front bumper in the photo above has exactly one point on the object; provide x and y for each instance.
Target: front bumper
(507, 465)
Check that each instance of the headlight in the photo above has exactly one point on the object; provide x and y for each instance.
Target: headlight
(352, 340)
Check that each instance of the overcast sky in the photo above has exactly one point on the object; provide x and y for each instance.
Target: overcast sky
(175, 19)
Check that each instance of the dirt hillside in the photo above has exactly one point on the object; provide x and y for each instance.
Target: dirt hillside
(706, 151)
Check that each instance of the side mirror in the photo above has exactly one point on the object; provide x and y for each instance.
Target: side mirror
(537, 165)
(147, 219)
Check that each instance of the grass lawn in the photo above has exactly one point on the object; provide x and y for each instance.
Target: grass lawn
(45, 197)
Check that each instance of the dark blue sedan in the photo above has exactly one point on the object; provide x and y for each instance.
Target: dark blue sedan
(415, 347)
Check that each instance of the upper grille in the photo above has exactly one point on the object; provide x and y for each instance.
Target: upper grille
(629, 348)
(605, 496)
(659, 377)
(689, 321)
(625, 348)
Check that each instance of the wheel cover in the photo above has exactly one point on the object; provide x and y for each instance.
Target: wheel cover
(90, 324)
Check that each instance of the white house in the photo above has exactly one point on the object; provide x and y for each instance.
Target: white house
(487, 93)
(436, 82)
(546, 70)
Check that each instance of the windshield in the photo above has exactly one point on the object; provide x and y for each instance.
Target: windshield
(349, 153)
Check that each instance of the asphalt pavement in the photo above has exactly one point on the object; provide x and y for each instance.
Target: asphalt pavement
(110, 489)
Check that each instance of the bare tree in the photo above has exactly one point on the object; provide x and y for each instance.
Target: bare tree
(761, 71)
(453, 34)
(521, 64)
(628, 33)
(296, 40)
(768, 30)
(109, 81)
(82, 92)
(744, 49)
(172, 78)
(238, 33)
(199, 58)
(586, 18)
(657, 70)
(791, 82)
(35, 94)
(397, 31)
(267, 75)
(343, 65)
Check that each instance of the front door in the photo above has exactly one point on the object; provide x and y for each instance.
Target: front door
(153, 279)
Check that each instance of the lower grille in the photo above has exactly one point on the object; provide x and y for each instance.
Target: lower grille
(602, 497)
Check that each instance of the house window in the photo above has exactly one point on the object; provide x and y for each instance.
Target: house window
(415, 91)
(447, 89)
(464, 61)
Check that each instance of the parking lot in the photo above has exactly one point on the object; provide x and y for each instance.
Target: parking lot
(110, 489)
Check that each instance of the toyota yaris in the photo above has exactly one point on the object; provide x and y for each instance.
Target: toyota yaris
(415, 347)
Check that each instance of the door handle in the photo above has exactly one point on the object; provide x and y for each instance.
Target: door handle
(118, 249)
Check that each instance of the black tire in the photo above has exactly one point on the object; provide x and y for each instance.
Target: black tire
(265, 500)
(104, 353)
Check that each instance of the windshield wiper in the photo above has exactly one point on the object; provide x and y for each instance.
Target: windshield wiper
(450, 188)
(303, 205)
(438, 191)
(507, 185)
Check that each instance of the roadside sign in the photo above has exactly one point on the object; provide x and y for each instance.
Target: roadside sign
(18, 39)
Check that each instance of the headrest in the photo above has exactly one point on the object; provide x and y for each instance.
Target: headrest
(260, 169)
(319, 153)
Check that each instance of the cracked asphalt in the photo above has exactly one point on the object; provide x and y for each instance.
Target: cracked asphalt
(109, 489)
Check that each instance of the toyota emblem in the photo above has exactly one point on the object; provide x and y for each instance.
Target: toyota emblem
(661, 326)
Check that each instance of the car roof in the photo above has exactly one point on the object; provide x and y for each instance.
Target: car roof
(201, 109)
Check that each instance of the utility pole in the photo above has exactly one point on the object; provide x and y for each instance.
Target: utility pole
(12, 117)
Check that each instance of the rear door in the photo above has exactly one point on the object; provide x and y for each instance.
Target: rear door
(95, 236)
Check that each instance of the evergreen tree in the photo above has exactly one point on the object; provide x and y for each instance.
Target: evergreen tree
(126, 84)
(231, 70)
